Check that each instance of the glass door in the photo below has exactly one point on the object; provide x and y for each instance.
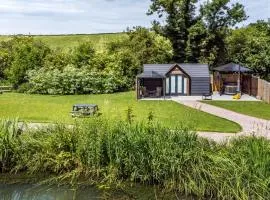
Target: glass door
(173, 85)
(179, 85)
(168, 85)
(176, 85)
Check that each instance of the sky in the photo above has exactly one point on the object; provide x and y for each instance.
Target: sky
(89, 16)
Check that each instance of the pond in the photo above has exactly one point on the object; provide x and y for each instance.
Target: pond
(43, 192)
(37, 192)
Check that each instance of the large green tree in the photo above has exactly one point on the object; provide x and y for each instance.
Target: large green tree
(201, 37)
(83, 54)
(140, 47)
(180, 16)
(217, 17)
(5, 57)
(26, 54)
(250, 46)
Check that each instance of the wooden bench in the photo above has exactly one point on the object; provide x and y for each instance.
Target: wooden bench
(5, 89)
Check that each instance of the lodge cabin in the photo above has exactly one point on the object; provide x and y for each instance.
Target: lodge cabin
(161, 80)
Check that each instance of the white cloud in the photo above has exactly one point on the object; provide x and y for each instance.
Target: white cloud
(38, 6)
(88, 16)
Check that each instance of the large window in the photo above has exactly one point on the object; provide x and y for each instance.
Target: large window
(179, 84)
(168, 85)
(173, 85)
(185, 85)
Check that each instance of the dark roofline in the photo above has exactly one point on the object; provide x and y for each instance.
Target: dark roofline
(232, 67)
(179, 66)
(152, 74)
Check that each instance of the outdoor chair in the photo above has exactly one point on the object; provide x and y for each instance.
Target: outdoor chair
(208, 96)
(145, 92)
(158, 91)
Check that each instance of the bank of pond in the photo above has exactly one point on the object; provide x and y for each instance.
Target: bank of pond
(112, 155)
(23, 191)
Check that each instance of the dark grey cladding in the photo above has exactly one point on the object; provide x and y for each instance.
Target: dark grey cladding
(199, 75)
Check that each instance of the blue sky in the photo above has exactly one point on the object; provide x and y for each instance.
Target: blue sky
(89, 16)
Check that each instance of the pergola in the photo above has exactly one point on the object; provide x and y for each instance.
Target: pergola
(149, 75)
(232, 68)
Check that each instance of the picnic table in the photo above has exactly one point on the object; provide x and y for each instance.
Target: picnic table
(84, 110)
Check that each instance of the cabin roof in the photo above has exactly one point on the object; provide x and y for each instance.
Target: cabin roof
(193, 70)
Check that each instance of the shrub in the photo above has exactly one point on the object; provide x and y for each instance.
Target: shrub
(24, 88)
(74, 81)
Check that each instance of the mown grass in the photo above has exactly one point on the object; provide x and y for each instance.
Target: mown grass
(67, 42)
(251, 108)
(40, 108)
(115, 153)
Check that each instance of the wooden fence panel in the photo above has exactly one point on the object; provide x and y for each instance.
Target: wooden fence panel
(254, 86)
(264, 90)
(246, 84)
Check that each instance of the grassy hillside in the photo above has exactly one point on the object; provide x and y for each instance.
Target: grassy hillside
(70, 41)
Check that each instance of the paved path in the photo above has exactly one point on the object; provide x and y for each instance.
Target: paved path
(250, 125)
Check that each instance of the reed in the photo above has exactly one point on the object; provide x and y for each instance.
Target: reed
(107, 153)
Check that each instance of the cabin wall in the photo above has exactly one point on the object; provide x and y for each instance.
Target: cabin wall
(200, 85)
(176, 71)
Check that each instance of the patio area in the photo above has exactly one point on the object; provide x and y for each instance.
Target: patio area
(216, 97)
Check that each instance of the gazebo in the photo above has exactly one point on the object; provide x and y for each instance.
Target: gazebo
(228, 78)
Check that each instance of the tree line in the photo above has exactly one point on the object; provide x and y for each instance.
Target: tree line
(207, 32)
(31, 66)
(193, 32)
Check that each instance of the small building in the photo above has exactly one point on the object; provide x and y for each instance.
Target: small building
(231, 79)
(159, 80)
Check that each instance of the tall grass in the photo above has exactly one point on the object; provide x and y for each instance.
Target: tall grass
(106, 152)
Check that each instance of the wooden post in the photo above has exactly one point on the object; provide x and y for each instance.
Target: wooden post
(164, 87)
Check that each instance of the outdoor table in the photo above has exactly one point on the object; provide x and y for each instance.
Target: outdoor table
(84, 110)
(152, 93)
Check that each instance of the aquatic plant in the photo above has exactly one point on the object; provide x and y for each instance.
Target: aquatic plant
(108, 153)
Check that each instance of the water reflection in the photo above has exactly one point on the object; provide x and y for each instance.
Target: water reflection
(36, 192)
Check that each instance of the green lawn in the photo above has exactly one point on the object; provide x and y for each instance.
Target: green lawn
(38, 108)
(251, 108)
(69, 41)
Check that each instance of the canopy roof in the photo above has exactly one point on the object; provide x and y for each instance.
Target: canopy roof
(150, 74)
(232, 67)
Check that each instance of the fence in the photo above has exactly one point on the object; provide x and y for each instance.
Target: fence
(263, 90)
(251, 85)
(256, 87)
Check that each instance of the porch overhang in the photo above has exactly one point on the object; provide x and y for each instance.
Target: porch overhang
(153, 76)
(150, 74)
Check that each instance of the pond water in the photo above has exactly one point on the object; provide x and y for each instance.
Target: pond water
(37, 192)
